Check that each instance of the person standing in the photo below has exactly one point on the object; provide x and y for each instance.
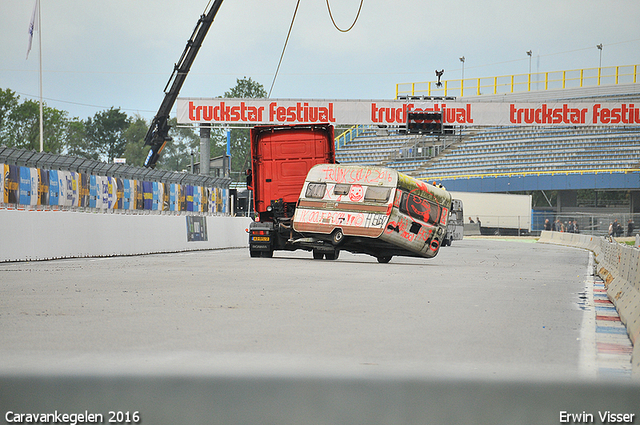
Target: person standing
(610, 229)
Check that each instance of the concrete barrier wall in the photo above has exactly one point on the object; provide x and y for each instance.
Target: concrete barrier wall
(619, 266)
(44, 235)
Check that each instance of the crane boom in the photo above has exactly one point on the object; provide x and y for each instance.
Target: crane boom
(158, 133)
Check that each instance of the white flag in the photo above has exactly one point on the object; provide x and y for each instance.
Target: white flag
(33, 25)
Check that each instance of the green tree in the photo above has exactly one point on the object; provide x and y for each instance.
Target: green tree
(176, 155)
(105, 133)
(76, 140)
(135, 151)
(20, 124)
(8, 101)
(246, 88)
(240, 143)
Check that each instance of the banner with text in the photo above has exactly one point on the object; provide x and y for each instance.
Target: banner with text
(393, 112)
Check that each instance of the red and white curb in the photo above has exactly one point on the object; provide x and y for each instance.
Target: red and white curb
(606, 347)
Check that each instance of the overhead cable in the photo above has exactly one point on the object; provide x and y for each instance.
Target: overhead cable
(354, 21)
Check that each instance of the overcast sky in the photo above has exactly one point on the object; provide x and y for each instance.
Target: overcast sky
(120, 53)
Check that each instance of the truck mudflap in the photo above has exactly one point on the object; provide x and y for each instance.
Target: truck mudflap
(261, 241)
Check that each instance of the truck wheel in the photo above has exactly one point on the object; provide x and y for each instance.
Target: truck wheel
(332, 255)
(254, 253)
(384, 260)
(337, 237)
(267, 254)
(317, 255)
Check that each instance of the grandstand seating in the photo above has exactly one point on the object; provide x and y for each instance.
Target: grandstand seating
(500, 150)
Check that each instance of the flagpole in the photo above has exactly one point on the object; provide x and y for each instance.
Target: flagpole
(40, 52)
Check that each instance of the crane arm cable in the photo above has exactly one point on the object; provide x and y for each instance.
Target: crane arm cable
(354, 21)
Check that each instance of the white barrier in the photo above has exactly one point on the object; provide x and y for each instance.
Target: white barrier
(619, 267)
(45, 235)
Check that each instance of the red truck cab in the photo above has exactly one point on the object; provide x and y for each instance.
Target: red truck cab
(281, 157)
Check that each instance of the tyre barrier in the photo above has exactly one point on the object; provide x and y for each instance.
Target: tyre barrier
(619, 266)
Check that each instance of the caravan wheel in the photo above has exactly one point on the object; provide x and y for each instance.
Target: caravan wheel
(337, 237)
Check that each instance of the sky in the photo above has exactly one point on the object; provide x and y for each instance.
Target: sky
(120, 53)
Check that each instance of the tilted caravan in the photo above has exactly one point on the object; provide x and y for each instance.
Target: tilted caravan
(371, 210)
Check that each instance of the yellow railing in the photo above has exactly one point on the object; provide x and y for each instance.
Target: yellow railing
(588, 77)
(531, 173)
(348, 135)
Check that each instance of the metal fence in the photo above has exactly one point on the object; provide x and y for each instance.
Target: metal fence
(49, 161)
(628, 225)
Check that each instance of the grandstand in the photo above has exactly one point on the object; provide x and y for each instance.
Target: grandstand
(490, 151)
(497, 150)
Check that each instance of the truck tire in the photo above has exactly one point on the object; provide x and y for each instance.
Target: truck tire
(317, 255)
(385, 259)
(254, 253)
(332, 255)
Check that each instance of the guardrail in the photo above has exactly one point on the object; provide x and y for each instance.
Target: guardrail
(619, 267)
(529, 173)
(575, 78)
(44, 181)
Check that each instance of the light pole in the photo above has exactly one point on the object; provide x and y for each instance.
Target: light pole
(529, 53)
(462, 60)
(599, 46)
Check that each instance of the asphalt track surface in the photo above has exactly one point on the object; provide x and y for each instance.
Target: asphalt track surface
(491, 307)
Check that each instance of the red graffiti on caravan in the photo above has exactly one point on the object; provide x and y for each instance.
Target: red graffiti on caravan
(357, 175)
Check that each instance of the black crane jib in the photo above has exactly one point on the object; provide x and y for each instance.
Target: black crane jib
(158, 133)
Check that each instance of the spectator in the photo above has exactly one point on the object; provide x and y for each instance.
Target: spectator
(617, 229)
(471, 220)
(575, 227)
(610, 229)
(478, 221)
(547, 224)
(630, 227)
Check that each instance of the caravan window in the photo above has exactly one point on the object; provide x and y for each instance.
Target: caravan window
(419, 208)
(315, 190)
(377, 194)
(341, 189)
